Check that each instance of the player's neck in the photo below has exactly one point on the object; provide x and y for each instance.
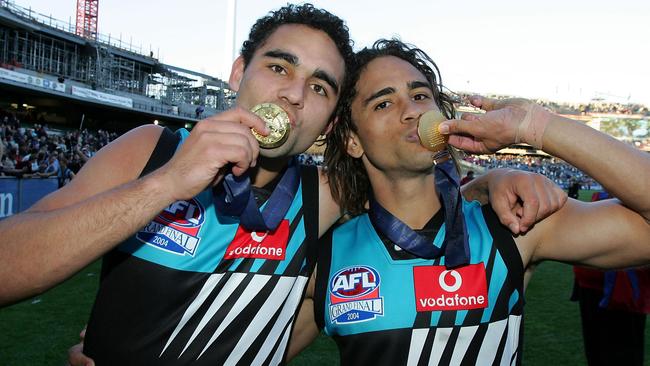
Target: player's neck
(267, 169)
(413, 199)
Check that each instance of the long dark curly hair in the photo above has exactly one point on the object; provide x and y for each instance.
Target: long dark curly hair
(348, 180)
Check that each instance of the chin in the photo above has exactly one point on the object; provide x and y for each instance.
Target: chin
(424, 162)
(277, 152)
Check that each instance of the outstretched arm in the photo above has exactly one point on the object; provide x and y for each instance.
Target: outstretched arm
(605, 234)
(105, 203)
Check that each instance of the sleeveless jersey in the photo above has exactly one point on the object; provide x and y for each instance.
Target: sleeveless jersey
(192, 287)
(385, 310)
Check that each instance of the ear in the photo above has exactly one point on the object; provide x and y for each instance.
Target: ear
(353, 146)
(236, 73)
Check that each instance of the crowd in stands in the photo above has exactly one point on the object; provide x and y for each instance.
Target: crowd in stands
(311, 159)
(562, 173)
(37, 152)
(595, 106)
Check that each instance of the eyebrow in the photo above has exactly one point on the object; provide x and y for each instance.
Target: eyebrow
(378, 94)
(411, 85)
(293, 60)
(329, 79)
(418, 84)
(288, 57)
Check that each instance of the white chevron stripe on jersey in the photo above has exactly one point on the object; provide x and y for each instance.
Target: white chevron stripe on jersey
(491, 341)
(285, 317)
(512, 342)
(418, 337)
(246, 296)
(207, 288)
(283, 345)
(232, 282)
(261, 319)
(465, 337)
(439, 343)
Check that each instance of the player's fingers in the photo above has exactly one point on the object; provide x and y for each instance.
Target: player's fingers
(468, 144)
(504, 208)
(484, 103)
(530, 210)
(465, 126)
(77, 358)
(242, 116)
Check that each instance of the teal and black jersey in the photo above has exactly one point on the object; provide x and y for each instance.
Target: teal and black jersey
(384, 306)
(193, 287)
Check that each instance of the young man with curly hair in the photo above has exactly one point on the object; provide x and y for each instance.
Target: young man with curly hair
(419, 278)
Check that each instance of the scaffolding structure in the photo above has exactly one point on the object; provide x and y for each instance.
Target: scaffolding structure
(48, 46)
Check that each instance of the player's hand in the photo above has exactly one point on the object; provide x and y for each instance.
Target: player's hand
(520, 199)
(216, 146)
(489, 132)
(75, 353)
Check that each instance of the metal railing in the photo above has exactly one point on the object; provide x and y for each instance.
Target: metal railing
(68, 27)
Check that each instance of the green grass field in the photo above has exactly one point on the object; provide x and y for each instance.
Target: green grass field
(39, 331)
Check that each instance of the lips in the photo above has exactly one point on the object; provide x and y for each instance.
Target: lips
(412, 136)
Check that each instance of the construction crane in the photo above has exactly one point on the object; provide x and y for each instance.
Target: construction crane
(87, 11)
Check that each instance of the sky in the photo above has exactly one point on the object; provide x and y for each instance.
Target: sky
(561, 50)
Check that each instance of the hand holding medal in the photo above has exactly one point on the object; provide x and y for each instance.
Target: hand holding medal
(277, 121)
(235, 197)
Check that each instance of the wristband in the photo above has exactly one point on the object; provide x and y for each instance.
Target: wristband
(531, 128)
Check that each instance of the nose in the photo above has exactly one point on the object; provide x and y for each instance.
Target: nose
(412, 112)
(293, 92)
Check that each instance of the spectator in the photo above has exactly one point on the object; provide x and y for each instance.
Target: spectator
(65, 173)
(574, 189)
(53, 167)
(467, 178)
(199, 111)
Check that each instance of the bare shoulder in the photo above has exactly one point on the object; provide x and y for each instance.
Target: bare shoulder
(117, 163)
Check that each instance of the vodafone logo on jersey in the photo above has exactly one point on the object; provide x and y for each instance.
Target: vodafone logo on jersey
(463, 288)
(262, 245)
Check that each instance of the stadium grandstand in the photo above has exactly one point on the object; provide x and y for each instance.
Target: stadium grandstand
(50, 74)
(65, 93)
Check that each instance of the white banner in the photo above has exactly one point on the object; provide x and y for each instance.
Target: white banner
(31, 80)
(104, 97)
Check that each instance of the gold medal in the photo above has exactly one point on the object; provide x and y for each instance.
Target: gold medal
(277, 121)
(428, 133)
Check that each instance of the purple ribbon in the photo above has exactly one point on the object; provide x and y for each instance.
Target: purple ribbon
(456, 244)
(235, 197)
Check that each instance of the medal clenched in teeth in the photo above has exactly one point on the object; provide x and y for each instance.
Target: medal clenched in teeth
(277, 121)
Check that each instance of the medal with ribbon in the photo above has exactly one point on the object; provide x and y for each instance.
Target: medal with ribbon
(235, 197)
(456, 244)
